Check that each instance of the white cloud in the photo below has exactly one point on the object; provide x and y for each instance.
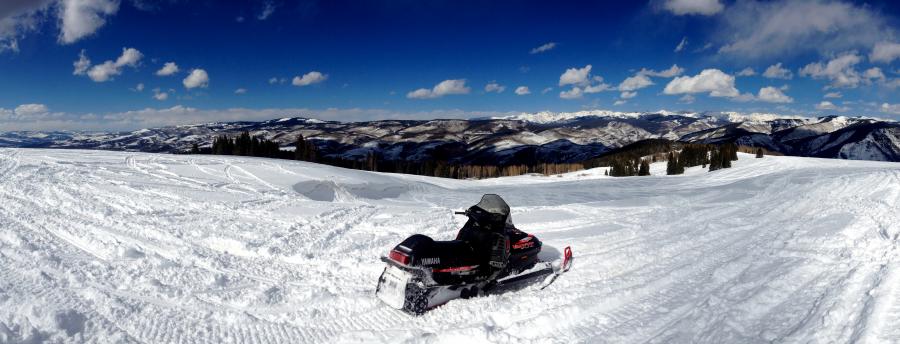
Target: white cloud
(619, 102)
(575, 76)
(636, 82)
(105, 71)
(885, 52)
(746, 72)
(667, 73)
(687, 99)
(522, 90)
(600, 87)
(775, 71)
(712, 81)
(874, 73)
(160, 95)
(548, 89)
(82, 65)
(833, 95)
(772, 29)
(701, 7)
(744, 97)
(890, 108)
(493, 86)
(81, 18)
(197, 78)
(574, 93)
(139, 87)
(240, 91)
(827, 105)
(31, 109)
(17, 18)
(840, 71)
(627, 95)
(276, 80)
(268, 9)
(446, 87)
(771, 94)
(310, 78)
(681, 45)
(168, 69)
(544, 47)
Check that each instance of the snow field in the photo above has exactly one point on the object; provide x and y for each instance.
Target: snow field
(130, 247)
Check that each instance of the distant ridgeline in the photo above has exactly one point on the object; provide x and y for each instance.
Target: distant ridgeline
(631, 160)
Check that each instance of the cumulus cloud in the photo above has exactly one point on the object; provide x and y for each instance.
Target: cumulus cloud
(522, 90)
(82, 64)
(543, 48)
(81, 18)
(168, 69)
(31, 109)
(627, 95)
(746, 72)
(712, 81)
(197, 78)
(619, 102)
(667, 73)
(890, 108)
(874, 73)
(107, 70)
(775, 71)
(827, 105)
(493, 86)
(139, 87)
(600, 86)
(160, 95)
(681, 45)
(833, 95)
(885, 52)
(636, 82)
(573, 93)
(310, 78)
(768, 29)
(841, 71)
(446, 87)
(687, 99)
(771, 94)
(699, 7)
(575, 76)
(240, 91)
(277, 80)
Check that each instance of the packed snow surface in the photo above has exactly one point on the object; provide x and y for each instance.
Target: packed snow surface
(117, 247)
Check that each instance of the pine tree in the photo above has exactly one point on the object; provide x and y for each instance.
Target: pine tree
(679, 165)
(670, 164)
(645, 168)
(759, 153)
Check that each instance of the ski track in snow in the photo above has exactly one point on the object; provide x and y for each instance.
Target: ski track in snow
(111, 247)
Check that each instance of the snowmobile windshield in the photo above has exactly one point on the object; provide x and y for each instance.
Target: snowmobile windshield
(495, 205)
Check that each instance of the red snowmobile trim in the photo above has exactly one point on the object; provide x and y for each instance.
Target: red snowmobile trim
(567, 259)
(456, 268)
(399, 257)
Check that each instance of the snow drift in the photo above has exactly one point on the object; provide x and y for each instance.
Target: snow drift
(131, 247)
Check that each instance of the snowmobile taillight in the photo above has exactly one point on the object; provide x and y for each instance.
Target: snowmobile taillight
(399, 257)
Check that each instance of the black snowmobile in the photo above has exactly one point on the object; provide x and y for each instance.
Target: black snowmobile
(489, 255)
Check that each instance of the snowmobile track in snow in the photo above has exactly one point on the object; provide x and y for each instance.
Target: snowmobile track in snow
(126, 247)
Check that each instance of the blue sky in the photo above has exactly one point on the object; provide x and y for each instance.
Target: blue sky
(361, 60)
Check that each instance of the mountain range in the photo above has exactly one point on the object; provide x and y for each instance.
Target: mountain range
(527, 138)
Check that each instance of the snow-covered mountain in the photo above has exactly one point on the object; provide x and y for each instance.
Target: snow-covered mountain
(116, 247)
(525, 138)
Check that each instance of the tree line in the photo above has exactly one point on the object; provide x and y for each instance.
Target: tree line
(631, 160)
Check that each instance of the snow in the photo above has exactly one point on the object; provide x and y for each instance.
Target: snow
(131, 247)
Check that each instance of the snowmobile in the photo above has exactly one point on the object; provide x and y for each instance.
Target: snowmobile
(490, 255)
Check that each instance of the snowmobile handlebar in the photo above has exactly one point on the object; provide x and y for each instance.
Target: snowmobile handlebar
(461, 213)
